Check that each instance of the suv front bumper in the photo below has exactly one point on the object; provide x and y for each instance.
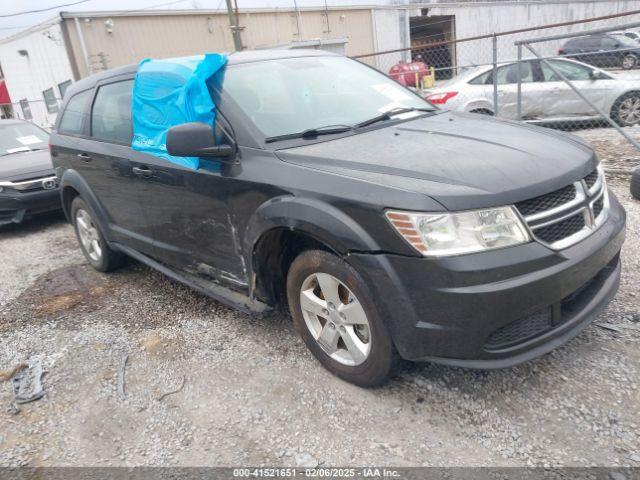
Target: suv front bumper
(498, 308)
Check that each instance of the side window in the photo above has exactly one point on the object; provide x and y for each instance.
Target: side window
(509, 73)
(482, 79)
(26, 109)
(50, 100)
(572, 71)
(111, 113)
(75, 113)
(608, 43)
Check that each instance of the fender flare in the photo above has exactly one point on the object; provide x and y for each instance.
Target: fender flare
(316, 218)
(71, 178)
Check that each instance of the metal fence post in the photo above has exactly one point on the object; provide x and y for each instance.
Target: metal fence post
(519, 96)
(495, 74)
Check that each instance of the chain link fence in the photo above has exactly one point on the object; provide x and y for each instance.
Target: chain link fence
(579, 76)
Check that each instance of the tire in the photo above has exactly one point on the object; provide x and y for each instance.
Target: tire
(371, 357)
(635, 184)
(92, 242)
(626, 109)
(629, 61)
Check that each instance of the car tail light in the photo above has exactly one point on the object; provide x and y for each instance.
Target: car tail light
(560, 51)
(440, 98)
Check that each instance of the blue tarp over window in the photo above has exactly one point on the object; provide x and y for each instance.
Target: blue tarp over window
(171, 92)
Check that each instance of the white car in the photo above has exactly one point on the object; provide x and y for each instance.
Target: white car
(545, 97)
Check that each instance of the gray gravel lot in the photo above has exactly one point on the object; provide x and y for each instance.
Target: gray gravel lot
(253, 395)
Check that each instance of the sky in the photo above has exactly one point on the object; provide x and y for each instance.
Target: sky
(14, 23)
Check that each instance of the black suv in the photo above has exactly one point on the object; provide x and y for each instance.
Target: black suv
(388, 227)
(615, 50)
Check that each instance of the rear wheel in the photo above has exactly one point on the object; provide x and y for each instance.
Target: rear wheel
(333, 312)
(629, 61)
(635, 183)
(626, 109)
(92, 242)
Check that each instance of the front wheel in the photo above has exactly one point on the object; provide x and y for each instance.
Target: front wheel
(626, 109)
(333, 312)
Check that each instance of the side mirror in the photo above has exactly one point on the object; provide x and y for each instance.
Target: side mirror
(595, 75)
(195, 139)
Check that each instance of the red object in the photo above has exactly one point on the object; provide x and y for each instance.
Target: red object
(560, 51)
(441, 98)
(405, 73)
(4, 93)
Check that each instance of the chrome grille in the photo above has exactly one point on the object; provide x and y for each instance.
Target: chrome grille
(34, 184)
(547, 202)
(564, 217)
(562, 229)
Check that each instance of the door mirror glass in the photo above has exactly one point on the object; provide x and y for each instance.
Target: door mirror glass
(195, 139)
(596, 75)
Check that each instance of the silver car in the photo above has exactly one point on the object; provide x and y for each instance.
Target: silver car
(545, 97)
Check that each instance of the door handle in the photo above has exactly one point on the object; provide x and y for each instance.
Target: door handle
(85, 157)
(143, 172)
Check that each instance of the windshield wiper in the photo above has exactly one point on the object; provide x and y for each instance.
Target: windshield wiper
(311, 133)
(390, 113)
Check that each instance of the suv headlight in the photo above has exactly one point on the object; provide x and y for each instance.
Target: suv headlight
(440, 234)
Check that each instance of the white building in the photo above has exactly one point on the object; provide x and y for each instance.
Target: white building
(36, 71)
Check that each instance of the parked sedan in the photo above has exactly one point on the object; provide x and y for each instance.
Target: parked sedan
(28, 184)
(546, 98)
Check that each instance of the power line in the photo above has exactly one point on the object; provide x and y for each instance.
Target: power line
(43, 9)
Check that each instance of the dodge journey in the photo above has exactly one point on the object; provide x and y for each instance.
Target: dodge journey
(387, 227)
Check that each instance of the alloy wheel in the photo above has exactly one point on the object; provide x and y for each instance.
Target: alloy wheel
(89, 236)
(336, 319)
(628, 62)
(629, 111)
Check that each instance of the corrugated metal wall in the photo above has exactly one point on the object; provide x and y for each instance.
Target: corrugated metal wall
(480, 19)
(135, 37)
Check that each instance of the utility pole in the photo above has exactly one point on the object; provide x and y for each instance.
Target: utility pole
(235, 28)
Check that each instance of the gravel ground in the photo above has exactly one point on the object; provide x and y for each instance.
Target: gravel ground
(252, 395)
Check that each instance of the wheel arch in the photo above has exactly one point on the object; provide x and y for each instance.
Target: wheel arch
(72, 185)
(284, 227)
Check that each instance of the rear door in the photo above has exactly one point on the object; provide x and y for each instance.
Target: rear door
(508, 91)
(94, 138)
(115, 182)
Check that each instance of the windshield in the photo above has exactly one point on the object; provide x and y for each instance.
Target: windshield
(292, 95)
(21, 137)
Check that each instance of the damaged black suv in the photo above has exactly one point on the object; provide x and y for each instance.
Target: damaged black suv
(390, 229)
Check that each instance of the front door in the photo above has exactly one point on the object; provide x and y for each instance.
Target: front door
(562, 100)
(192, 224)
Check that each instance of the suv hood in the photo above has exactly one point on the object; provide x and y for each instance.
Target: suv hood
(463, 161)
(24, 165)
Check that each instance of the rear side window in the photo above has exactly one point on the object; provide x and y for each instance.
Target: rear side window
(75, 113)
(111, 114)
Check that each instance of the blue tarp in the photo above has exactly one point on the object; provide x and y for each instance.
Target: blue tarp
(171, 92)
